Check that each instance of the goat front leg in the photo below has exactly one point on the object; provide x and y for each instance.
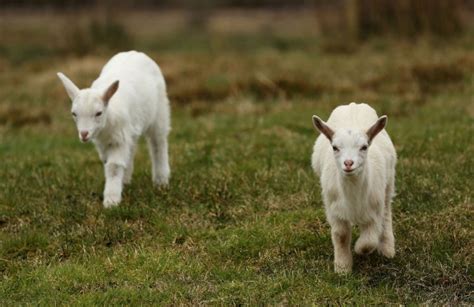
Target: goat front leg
(114, 175)
(127, 178)
(369, 237)
(102, 153)
(113, 184)
(341, 240)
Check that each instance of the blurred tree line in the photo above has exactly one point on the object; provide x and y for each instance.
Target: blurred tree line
(61, 4)
(406, 17)
(361, 19)
(355, 19)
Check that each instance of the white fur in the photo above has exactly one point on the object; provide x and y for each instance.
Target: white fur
(114, 123)
(362, 196)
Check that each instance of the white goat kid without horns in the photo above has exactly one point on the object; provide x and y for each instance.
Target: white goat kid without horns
(355, 160)
(127, 100)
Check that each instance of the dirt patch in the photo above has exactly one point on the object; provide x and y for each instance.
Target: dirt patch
(286, 86)
(259, 86)
(431, 77)
(17, 117)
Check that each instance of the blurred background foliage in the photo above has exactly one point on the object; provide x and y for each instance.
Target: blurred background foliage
(92, 26)
(43, 33)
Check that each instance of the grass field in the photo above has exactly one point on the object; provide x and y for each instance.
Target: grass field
(242, 221)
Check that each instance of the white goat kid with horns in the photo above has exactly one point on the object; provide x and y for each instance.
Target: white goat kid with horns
(355, 160)
(127, 100)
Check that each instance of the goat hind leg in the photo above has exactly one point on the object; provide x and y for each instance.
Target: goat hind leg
(158, 147)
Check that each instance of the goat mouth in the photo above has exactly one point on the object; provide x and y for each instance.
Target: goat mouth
(349, 171)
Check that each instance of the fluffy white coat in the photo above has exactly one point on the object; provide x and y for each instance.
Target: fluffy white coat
(357, 176)
(126, 101)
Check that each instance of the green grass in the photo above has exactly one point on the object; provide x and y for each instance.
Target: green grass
(242, 221)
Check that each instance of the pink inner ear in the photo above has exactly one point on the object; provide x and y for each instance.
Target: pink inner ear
(376, 128)
(110, 91)
(323, 128)
(328, 132)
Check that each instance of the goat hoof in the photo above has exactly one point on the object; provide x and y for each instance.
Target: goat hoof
(364, 248)
(161, 182)
(386, 250)
(341, 268)
(111, 201)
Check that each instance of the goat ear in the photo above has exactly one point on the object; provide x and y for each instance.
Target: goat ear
(110, 92)
(321, 126)
(71, 89)
(377, 127)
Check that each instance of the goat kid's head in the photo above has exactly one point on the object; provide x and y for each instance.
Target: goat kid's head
(350, 146)
(89, 107)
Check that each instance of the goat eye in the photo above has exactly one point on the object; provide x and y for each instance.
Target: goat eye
(74, 114)
(98, 114)
(335, 148)
(363, 148)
